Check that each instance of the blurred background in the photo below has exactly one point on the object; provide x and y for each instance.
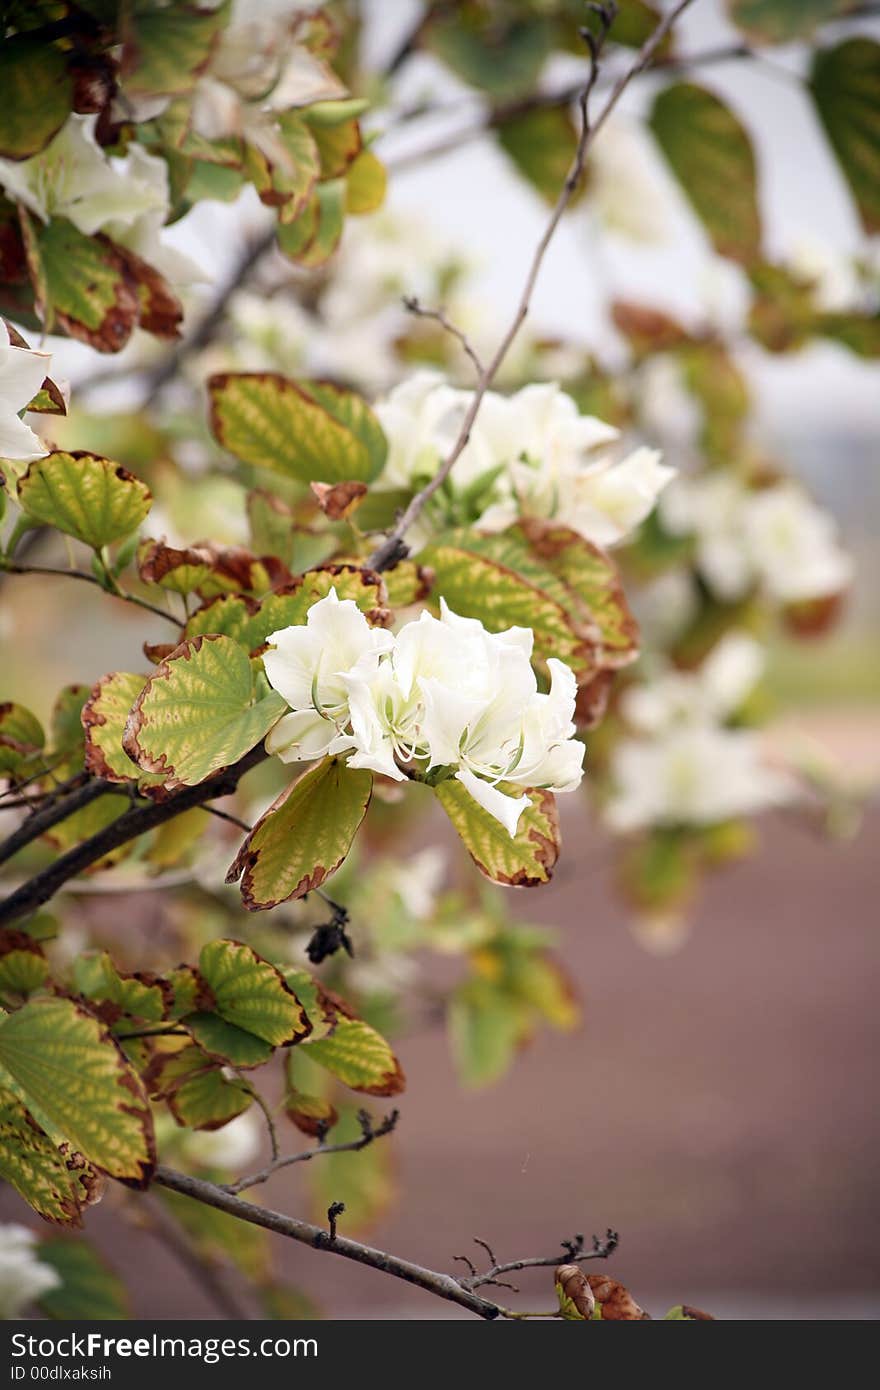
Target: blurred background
(716, 1106)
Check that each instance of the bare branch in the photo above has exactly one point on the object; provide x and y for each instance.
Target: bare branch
(388, 552)
(13, 567)
(411, 303)
(368, 1136)
(442, 1285)
(575, 1252)
(58, 810)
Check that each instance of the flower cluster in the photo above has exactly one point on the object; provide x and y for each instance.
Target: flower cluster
(686, 765)
(440, 694)
(21, 375)
(529, 454)
(23, 1275)
(775, 538)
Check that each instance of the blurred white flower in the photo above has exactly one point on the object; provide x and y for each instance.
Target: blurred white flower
(834, 278)
(708, 695)
(23, 1276)
(667, 410)
(443, 693)
(22, 372)
(418, 881)
(232, 1147)
(693, 775)
(776, 537)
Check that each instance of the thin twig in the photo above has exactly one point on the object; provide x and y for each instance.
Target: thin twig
(13, 567)
(228, 816)
(412, 305)
(368, 1136)
(391, 549)
(575, 1253)
(58, 810)
(267, 1113)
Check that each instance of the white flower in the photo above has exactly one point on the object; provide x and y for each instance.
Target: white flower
(23, 1276)
(711, 694)
(793, 545)
(232, 1147)
(834, 278)
(21, 375)
(418, 881)
(533, 451)
(775, 537)
(443, 694)
(308, 667)
(693, 775)
(73, 178)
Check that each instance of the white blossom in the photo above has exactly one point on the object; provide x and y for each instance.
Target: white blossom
(443, 694)
(533, 453)
(776, 538)
(22, 372)
(23, 1276)
(623, 189)
(233, 1146)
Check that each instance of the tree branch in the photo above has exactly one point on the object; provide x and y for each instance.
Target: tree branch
(391, 549)
(37, 824)
(368, 1136)
(575, 1253)
(13, 567)
(442, 1285)
(132, 823)
(412, 305)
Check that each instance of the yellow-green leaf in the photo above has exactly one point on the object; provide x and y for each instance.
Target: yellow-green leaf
(23, 967)
(104, 715)
(199, 712)
(37, 95)
(21, 737)
(782, 21)
(83, 284)
(304, 836)
(307, 430)
(359, 1056)
(140, 996)
(167, 47)
(541, 144)
(85, 496)
(523, 860)
(365, 184)
(197, 1093)
(711, 155)
(77, 1085)
(251, 994)
(30, 1162)
(845, 83)
(225, 1042)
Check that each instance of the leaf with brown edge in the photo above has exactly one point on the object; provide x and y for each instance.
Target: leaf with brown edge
(339, 500)
(104, 717)
(359, 1057)
(303, 837)
(160, 312)
(82, 284)
(312, 1115)
(84, 495)
(78, 1086)
(51, 1182)
(576, 1301)
(520, 861)
(181, 569)
(614, 1302)
(37, 95)
(195, 1090)
(200, 711)
(251, 994)
(21, 737)
(50, 399)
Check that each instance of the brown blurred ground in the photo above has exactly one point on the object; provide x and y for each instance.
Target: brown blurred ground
(719, 1109)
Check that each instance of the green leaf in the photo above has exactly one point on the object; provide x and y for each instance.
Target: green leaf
(199, 712)
(522, 861)
(304, 836)
(167, 47)
(83, 284)
(495, 579)
(635, 22)
(711, 155)
(85, 496)
(541, 144)
(485, 1030)
(320, 1012)
(307, 430)
(77, 1083)
(89, 1289)
(503, 55)
(314, 236)
(23, 967)
(845, 83)
(37, 95)
(360, 1057)
(365, 184)
(139, 996)
(858, 332)
(251, 622)
(782, 21)
(21, 737)
(251, 994)
(48, 1180)
(104, 715)
(286, 183)
(226, 1043)
(197, 1093)
(597, 598)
